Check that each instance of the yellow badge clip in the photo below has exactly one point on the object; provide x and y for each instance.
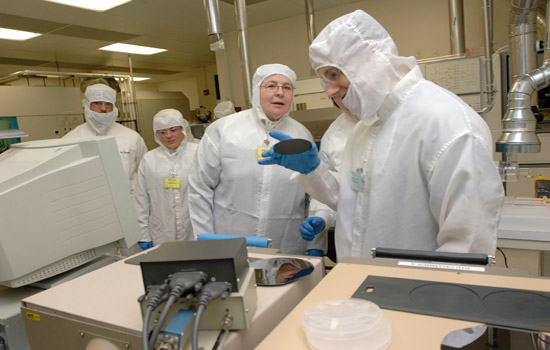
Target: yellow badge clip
(171, 182)
(260, 151)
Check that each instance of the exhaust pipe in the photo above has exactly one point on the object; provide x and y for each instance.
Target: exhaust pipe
(519, 123)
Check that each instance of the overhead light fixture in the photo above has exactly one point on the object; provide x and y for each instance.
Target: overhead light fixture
(127, 48)
(95, 5)
(140, 79)
(12, 34)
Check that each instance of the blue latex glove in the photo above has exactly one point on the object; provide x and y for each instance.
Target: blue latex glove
(145, 245)
(315, 252)
(303, 163)
(312, 226)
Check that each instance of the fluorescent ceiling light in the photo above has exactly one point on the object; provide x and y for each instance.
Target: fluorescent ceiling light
(12, 34)
(140, 50)
(140, 79)
(95, 5)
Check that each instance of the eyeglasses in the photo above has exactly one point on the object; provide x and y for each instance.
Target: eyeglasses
(331, 76)
(272, 87)
(171, 131)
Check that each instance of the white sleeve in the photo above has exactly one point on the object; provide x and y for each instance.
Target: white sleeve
(142, 201)
(203, 179)
(321, 184)
(466, 195)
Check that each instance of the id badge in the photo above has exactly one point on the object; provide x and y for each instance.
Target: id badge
(260, 151)
(171, 182)
(357, 180)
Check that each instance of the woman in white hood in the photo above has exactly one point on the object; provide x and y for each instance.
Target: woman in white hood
(101, 113)
(417, 171)
(230, 193)
(162, 186)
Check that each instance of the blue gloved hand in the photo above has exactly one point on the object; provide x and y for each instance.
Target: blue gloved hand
(303, 163)
(145, 245)
(315, 252)
(312, 226)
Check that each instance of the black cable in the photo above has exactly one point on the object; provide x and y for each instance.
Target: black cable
(156, 294)
(195, 337)
(504, 256)
(180, 282)
(211, 291)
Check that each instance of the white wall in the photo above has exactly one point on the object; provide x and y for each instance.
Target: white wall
(419, 28)
(194, 88)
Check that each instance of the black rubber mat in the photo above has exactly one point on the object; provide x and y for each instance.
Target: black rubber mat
(500, 307)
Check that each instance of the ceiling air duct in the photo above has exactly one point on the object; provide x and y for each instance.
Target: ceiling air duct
(519, 123)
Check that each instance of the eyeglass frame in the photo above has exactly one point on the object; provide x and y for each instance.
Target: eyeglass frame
(331, 80)
(273, 87)
(169, 131)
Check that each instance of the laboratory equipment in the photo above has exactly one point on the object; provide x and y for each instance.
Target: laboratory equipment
(542, 187)
(279, 271)
(63, 203)
(195, 285)
(410, 330)
(101, 307)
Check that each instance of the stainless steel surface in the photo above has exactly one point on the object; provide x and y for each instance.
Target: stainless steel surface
(310, 21)
(522, 33)
(280, 271)
(240, 10)
(490, 90)
(519, 123)
(456, 22)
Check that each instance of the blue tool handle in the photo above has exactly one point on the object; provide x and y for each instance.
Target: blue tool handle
(262, 242)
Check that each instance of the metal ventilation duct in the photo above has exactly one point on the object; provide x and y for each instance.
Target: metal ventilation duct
(519, 123)
(456, 22)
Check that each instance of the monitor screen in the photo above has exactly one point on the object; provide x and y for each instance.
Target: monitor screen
(63, 203)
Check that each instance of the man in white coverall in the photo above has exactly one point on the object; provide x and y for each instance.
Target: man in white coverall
(101, 114)
(331, 152)
(229, 192)
(162, 186)
(417, 171)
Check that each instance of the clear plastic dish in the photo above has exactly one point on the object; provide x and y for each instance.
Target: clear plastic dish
(349, 324)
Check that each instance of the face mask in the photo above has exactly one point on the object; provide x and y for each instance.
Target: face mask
(352, 102)
(100, 122)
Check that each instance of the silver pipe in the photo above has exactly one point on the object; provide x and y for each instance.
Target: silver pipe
(213, 18)
(456, 21)
(133, 98)
(489, 72)
(240, 9)
(310, 21)
(522, 32)
(519, 123)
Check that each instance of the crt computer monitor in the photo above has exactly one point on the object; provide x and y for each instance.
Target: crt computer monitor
(63, 203)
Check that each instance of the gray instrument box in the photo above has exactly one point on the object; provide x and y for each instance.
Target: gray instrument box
(222, 260)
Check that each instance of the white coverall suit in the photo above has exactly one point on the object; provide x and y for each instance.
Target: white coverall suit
(232, 194)
(130, 144)
(417, 171)
(331, 152)
(162, 205)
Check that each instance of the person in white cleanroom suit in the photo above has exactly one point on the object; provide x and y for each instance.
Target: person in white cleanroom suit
(417, 171)
(331, 152)
(229, 192)
(101, 114)
(162, 186)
